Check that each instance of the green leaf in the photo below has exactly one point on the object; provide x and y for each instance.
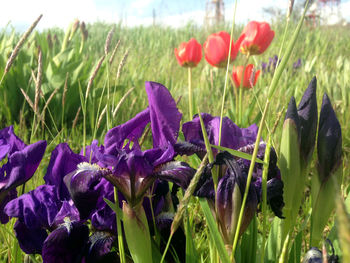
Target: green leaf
(214, 231)
(273, 242)
(191, 253)
(237, 153)
(295, 252)
(115, 208)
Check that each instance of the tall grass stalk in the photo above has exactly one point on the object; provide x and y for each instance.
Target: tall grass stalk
(226, 75)
(240, 102)
(272, 89)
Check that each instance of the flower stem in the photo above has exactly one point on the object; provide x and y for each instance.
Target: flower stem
(119, 230)
(190, 93)
(264, 195)
(249, 179)
(241, 92)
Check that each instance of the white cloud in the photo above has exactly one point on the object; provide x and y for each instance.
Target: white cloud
(61, 14)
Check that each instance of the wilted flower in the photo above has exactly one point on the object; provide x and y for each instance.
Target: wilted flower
(189, 54)
(22, 162)
(216, 49)
(250, 76)
(255, 38)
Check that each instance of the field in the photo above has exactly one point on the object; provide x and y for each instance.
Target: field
(84, 108)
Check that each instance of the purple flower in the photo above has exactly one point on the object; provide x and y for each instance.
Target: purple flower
(22, 162)
(231, 137)
(241, 139)
(66, 243)
(132, 170)
(36, 211)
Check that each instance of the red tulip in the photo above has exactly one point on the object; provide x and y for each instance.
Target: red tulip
(249, 76)
(216, 49)
(189, 53)
(255, 38)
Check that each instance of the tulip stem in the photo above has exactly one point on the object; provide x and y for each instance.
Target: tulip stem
(240, 116)
(119, 230)
(249, 179)
(190, 93)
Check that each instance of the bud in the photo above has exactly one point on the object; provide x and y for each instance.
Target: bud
(326, 185)
(329, 141)
(307, 111)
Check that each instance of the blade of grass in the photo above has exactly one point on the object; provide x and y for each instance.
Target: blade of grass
(214, 231)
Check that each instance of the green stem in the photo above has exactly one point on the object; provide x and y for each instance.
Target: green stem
(226, 76)
(249, 179)
(190, 93)
(166, 248)
(241, 91)
(119, 230)
(264, 196)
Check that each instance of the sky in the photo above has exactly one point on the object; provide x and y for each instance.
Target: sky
(175, 13)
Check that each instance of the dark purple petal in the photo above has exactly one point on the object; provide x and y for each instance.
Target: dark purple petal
(67, 210)
(275, 196)
(249, 134)
(157, 156)
(63, 161)
(177, 172)
(187, 148)
(23, 164)
(231, 135)
(6, 197)
(100, 246)
(66, 243)
(329, 141)
(205, 185)
(307, 111)
(178, 242)
(30, 239)
(164, 115)
(4, 149)
(292, 114)
(131, 130)
(8, 135)
(81, 185)
(104, 219)
(36, 209)
(132, 175)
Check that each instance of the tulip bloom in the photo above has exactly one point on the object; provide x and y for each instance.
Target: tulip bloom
(189, 53)
(249, 79)
(255, 38)
(216, 49)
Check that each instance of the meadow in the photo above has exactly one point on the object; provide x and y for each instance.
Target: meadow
(84, 108)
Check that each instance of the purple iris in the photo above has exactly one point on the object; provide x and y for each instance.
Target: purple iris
(21, 164)
(133, 170)
(50, 218)
(233, 170)
(274, 61)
